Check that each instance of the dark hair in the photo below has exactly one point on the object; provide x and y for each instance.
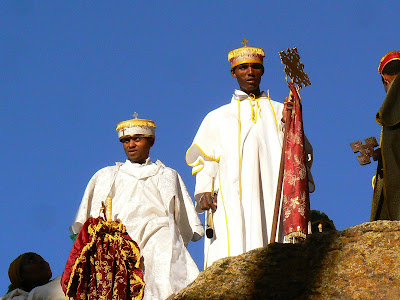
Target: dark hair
(391, 68)
(151, 139)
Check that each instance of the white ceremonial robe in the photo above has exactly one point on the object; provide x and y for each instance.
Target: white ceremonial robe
(16, 294)
(151, 200)
(245, 172)
(49, 291)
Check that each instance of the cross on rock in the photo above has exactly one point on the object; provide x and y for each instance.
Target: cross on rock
(366, 150)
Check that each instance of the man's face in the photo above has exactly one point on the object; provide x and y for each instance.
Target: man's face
(137, 148)
(249, 77)
(387, 80)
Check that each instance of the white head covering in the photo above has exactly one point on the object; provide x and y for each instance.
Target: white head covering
(136, 126)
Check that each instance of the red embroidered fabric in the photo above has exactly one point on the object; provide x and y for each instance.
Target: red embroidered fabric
(103, 263)
(296, 204)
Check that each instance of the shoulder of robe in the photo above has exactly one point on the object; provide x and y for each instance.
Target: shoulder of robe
(215, 115)
(107, 170)
(166, 170)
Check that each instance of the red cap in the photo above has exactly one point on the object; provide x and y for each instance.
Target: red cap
(388, 57)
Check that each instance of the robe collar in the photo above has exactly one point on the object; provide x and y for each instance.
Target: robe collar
(243, 96)
(138, 165)
(140, 171)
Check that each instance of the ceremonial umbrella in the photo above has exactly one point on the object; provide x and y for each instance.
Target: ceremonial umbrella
(103, 263)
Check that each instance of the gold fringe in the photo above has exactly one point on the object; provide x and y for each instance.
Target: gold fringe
(296, 236)
(245, 51)
(136, 122)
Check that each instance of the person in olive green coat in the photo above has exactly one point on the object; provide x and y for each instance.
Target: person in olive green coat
(386, 196)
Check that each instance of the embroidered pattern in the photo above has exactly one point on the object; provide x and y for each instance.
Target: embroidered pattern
(103, 264)
(295, 185)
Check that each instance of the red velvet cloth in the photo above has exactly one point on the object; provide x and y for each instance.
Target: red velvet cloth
(296, 204)
(103, 263)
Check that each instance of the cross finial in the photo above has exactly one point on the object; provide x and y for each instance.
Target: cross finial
(367, 150)
(135, 115)
(294, 69)
(244, 42)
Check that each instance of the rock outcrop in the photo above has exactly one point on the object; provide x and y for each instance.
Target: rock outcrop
(361, 262)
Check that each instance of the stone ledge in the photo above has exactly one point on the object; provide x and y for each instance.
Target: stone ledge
(360, 262)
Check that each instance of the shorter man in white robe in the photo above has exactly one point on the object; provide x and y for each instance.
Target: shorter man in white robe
(152, 201)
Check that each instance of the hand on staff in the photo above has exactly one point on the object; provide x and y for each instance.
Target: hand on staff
(287, 106)
(207, 202)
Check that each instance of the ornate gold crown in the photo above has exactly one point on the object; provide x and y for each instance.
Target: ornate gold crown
(136, 126)
(246, 55)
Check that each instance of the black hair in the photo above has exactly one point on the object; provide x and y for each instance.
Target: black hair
(391, 68)
(151, 139)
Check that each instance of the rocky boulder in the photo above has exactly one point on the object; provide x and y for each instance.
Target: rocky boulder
(361, 262)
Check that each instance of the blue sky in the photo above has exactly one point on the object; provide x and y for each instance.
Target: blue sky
(71, 70)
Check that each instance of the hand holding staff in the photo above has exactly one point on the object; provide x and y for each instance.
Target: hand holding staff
(208, 201)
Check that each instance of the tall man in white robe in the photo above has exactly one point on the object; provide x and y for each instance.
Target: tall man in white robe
(151, 200)
(239, 147)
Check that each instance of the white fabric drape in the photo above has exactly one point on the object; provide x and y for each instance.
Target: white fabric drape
(152, 202)
(49, 291)
(242, 221)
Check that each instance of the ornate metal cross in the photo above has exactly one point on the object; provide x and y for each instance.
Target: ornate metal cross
(366, 151)
(244, 42)
(294, 69)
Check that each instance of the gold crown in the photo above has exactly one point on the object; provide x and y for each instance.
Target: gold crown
(136, 126)
(135, 122)
(246, 55)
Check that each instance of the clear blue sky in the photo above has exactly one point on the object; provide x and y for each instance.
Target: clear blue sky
(71, 70)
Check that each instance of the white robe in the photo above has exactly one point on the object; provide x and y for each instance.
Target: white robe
(49, 291)
(243, 218)
(151, 200)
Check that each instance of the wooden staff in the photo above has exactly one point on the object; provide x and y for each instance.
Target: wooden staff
(210, 216)
(109, 209)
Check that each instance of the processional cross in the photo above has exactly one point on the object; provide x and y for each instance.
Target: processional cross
(294, 70)
(366, 150)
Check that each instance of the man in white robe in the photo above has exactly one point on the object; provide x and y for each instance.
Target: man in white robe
(239, 146)
(151, 200)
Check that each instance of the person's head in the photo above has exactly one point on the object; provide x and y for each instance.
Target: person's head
(247, 67)
(137, 147)
(248, 76)
(28, 271)
(389, 68)
(137, 137)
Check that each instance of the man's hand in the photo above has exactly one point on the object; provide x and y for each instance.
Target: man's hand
(207, 202)
(287, 106)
